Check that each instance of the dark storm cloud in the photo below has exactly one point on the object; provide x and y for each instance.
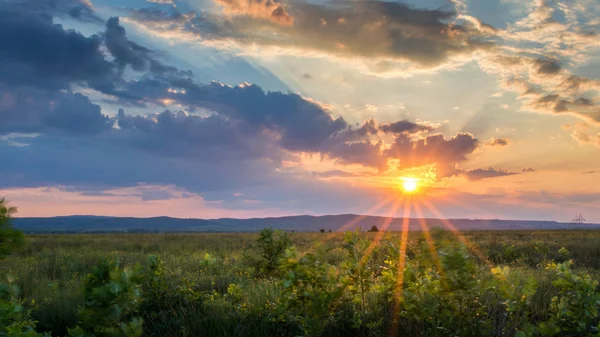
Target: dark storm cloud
(211, 138)
(303, 125)
(36, 52)
(485, 173)
(130, 53)
(34, 110)
(75, 9)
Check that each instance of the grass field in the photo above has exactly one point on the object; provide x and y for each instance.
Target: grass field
(318, 284)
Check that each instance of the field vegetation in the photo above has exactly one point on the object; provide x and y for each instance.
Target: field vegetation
(436, 283)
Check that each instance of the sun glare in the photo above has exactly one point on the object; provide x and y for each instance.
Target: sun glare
(410, 185)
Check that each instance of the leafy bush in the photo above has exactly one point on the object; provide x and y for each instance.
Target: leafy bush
(112, 297)
(10, 238)
(15, 320)
(272, 244)
(311, 288)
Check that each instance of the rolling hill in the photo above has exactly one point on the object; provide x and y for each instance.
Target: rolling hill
(301, 223)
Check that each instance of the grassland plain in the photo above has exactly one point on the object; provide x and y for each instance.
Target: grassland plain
(311, 284)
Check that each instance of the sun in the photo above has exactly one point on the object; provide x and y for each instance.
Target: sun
(410, 185)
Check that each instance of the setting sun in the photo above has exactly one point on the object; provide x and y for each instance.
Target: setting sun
(409, 185)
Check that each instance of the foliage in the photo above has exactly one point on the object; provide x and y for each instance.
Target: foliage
(272, 244)
(345, 284)
(10, 238)
(311, 288)
(15, 320)
(574, 309)
(112, 295)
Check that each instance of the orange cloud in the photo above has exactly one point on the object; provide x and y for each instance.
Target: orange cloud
(264, 9)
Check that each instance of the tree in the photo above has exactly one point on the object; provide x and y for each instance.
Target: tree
(322, 230)
(10, 238)
(272, 244)
(374, 229)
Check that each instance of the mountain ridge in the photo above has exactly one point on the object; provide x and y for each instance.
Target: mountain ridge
(300, 223)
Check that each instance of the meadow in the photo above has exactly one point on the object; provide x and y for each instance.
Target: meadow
(438, 283)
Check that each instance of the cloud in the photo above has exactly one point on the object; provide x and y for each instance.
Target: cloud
(334, 174)
(265, 124)
(536, 56)
(405, 126)
(36, 52)
(378, 30)
(74, 9)
(498, 142)
(182, 135)
(486, 173)
(130, 53)
(251, 129)
(261, 9)
(585, 138)
(433, 149)
(34, 110)
(528, 169)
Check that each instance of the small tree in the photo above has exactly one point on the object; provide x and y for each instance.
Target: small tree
(15, 320)
(322, 230)
(272, 244)
(10, 238)
(374, 229)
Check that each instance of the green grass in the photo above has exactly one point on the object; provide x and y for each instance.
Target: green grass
(200, 269)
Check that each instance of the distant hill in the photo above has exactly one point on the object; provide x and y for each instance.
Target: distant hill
(301, 223)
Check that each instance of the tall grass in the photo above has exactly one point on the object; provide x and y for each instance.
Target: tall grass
(219, 284)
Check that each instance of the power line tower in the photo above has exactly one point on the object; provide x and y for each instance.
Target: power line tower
(579, 219)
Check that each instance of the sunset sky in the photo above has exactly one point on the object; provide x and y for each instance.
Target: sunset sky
(237, 108)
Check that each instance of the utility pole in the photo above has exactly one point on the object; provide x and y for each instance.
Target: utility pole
(579, 219)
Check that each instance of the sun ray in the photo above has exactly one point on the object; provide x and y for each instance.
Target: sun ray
(379, 235)
(428, 239)
(349, 224)
(401, 266)
(457, 233)
(361, 217)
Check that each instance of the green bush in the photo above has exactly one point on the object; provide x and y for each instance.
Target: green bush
(10, 238)
(272, 245)
(112, 297)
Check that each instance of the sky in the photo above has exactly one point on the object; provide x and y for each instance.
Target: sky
(256, 108)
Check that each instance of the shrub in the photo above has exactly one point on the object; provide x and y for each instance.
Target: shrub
(374, 229)
(112, 296)
(311, 289)
(10, 238)
(272, 244)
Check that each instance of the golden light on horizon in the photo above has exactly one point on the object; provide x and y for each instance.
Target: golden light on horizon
(409, 185)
